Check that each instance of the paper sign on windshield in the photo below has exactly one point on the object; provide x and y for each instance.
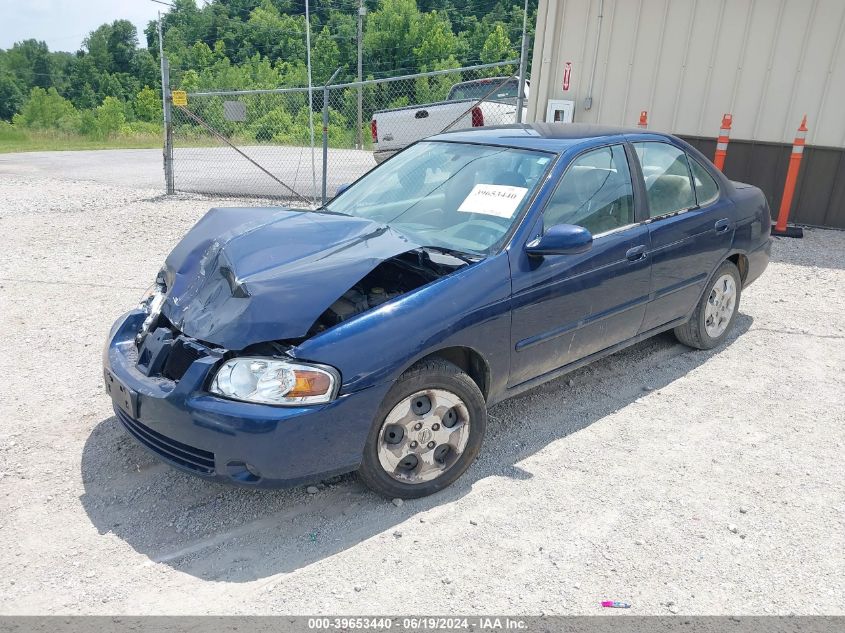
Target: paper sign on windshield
(499, 200)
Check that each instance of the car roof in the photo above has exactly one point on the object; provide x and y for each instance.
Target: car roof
(550, 137)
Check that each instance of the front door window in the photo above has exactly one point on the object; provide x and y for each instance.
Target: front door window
(595, 192)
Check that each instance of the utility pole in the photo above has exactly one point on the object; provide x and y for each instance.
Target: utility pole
(362, 11)
(523, 66)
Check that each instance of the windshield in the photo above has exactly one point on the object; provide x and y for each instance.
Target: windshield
(453, 196)
(477, 90)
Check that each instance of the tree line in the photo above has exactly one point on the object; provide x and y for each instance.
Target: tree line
(111, 85)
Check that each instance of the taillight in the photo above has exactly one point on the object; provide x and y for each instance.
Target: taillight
(477, 117)
(374, 130)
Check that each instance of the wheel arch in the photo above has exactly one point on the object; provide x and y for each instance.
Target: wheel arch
(469, 360)
(740, 260)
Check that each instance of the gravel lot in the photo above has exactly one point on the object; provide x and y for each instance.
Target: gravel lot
(676, 480)
(199, 169)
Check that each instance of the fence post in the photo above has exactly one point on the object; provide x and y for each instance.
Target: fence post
(326, 131)
(170, 187)
(166, 101)
(789, 185)
(362, 11)
(523, 65)
(722, 142)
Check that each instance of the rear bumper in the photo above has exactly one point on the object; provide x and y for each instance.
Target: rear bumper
(758, 260)
(235, 442)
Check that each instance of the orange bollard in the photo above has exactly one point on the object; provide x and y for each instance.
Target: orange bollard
(722, 142)
(643, 119)
(789, 185)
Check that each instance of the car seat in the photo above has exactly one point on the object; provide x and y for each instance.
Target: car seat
(668, 194)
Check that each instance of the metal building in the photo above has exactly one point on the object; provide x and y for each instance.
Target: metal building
(687, 62)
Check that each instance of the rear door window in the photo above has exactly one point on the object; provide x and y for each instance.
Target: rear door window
(666, 173)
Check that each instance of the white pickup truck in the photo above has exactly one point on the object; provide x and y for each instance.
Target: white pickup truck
(395, 129)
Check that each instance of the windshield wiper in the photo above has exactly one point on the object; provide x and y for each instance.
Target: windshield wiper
(469, 258)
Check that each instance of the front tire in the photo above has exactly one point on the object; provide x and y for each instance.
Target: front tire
(716, 311)
(427, 432)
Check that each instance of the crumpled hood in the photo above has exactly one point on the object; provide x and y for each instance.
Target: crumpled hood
(248, 275)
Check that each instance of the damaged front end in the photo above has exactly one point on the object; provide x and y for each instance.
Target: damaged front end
(392, 278)
(245, 276)
(211, 373)
(270, 281)
(151, 303)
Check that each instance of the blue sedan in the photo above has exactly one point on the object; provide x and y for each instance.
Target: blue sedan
(281, 346)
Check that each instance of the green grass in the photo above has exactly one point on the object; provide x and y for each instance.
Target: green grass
(15, 140)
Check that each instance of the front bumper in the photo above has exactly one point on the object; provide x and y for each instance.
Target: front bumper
(234, 442)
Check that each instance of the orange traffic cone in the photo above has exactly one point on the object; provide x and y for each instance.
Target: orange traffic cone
(789, 186)
(722, 142)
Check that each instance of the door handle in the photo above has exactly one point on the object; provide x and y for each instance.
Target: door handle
(421, 114)
(722, 225)
(636, 254)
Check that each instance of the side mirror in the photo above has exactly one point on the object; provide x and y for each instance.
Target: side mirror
(561, 239)
(340, 189)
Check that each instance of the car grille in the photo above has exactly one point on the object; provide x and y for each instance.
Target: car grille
(168, 449)
(182, 354)
(161, 354)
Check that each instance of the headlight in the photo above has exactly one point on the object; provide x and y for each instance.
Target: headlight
(150, 303)
(275, 381)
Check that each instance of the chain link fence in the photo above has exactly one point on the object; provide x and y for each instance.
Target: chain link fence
(261, 143)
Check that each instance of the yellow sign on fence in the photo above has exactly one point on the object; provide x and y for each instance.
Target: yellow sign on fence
(180, 97)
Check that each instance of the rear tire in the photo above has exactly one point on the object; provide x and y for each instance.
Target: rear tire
(427, 432)
(716, 311)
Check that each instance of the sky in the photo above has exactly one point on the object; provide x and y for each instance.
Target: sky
(63, 24)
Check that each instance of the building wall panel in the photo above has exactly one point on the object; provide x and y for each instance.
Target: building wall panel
(791, 44)
(669, 73)
(689, 61)
(826, 56)
(755, 75)
(618, 65)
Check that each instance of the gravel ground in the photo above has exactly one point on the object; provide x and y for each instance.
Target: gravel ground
(676, 480)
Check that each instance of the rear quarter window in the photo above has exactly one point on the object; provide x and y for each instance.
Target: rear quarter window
(706, 188)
